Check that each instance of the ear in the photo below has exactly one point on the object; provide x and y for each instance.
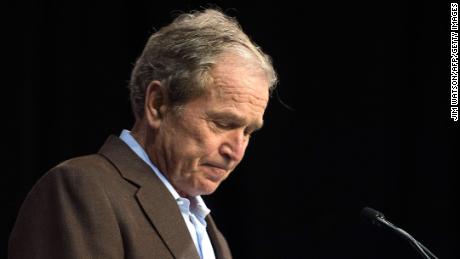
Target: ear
(155, 104)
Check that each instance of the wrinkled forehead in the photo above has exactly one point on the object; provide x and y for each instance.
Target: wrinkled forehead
(237, 83)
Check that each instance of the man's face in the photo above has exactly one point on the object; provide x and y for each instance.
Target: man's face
(200, 145)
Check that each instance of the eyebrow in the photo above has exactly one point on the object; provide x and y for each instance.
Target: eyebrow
(234, 118)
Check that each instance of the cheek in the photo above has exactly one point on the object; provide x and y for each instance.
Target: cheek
(190, 149)
(202, 152)
(192, 141)
(212, 144)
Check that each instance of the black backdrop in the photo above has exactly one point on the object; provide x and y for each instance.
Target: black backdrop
(368, 84)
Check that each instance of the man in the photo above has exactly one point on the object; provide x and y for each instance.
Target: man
(198, 92)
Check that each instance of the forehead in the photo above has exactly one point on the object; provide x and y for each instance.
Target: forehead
(238, 86)
(236, 75)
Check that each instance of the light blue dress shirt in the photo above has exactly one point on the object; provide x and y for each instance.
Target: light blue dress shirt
(193, 211)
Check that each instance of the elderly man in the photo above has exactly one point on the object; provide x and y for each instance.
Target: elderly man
(198, 92)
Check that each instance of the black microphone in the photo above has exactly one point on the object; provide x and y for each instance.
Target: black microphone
(377, 218)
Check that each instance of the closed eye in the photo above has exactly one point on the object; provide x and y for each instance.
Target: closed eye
(248, 131)
(226, 125)
(230, 121)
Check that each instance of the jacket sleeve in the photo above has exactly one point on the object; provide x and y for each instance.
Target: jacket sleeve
(66, 215)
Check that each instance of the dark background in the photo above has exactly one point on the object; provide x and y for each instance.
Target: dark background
(370, 123)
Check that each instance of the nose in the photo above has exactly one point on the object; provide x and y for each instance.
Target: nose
(234, 145)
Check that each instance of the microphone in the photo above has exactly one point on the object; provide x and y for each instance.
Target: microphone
(377, 218)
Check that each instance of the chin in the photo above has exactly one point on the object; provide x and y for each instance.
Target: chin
(206, 188)
(201, 185)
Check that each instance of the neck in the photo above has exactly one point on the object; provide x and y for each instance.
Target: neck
(139, 133)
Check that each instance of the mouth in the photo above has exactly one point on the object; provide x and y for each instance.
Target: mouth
(216, 172)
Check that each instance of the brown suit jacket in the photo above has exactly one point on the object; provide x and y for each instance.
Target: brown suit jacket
(106, 205)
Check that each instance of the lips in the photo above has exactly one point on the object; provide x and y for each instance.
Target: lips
(217, 165)
(216, 172)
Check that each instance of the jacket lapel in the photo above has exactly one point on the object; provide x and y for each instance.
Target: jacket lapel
(219, 244)
(154, 198)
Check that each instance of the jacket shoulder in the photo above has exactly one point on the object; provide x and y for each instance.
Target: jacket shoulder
(85, 167)
(69, 214)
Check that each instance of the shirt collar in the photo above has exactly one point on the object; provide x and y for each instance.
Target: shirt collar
(196, 205)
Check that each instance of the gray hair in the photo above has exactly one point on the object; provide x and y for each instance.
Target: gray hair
(181, 54)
